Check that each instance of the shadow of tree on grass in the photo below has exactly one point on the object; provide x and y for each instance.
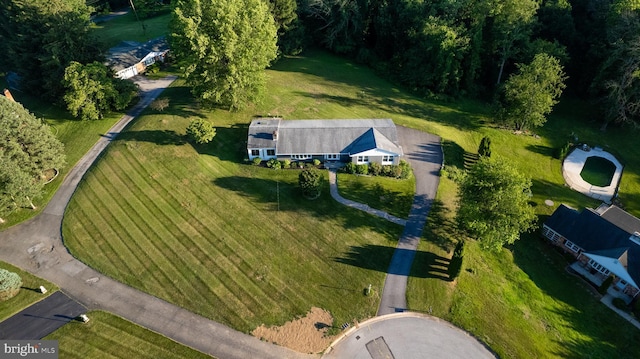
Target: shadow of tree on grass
(378, 258)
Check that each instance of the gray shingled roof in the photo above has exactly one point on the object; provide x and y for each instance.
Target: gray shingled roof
(129, 53)
(324, 136)
(621, 219)
(599, 235)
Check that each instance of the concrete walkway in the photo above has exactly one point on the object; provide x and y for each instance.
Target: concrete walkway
(333, 185)
(607, 300)
(572, 167)
(37, 246)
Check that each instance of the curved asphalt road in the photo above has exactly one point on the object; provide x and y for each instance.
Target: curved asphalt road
(37, 246)
(424, 153)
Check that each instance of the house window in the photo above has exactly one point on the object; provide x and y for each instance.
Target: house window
(550, 234)
(333, 156)
(363, 159)
(571, 246)
(271, 152)
(255, 152)
(301, 157)
(597, 266)
(387, 159)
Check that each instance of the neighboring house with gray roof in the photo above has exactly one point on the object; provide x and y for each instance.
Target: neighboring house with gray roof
(131, 58)
(605, 242)
(361, 141)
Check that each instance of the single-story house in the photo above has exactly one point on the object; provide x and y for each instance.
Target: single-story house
(361, 141)
(131, 58)
(605, 242)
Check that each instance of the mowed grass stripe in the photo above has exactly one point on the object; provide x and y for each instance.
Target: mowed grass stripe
(96, 208)
(137, 268)
(183, 268)
(163, 255)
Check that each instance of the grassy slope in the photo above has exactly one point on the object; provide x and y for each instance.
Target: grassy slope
(27, 295)
(125, 27)
(108, 336)
(203, 231)
(391, 195)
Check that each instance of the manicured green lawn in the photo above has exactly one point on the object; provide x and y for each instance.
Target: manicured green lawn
(28, 294)
(598, 171)
(126, 27)
(391, 195)
(237, 243)
(108, 336)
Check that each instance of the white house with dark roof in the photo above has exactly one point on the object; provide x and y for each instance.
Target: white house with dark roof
(131, 58)
(605, 242)
(361, 141)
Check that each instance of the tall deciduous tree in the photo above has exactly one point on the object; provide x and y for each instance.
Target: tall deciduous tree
(91, 90)
(40, 38)
(224, 47)
(513, 21)
(530, 95)
(494, 205)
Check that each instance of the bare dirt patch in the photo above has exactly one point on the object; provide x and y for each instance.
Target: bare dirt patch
(305, 335)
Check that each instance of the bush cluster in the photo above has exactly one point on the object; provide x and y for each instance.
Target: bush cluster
(561, 152)
(455, 265)
(401, 171)
(274, 163)
(10, 284)
(620, 304)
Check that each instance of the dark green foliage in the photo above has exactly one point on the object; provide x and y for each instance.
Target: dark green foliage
(350, 168)
(92, 91)
(10, 284)
(274, 163)
(562, 151)
(494, 203)
(310, 182)
(362, 169)
(150, 8)
(620, 304)
(40, 38)
(375, 168)
(605, 285)
(405, 170)
(201, 131)
(256, 161)
(453, 173)
(529, 95)
(27, 142)
(224, 64)
(485, 147)
(455, 265)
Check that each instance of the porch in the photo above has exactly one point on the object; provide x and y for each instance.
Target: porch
(589, 273)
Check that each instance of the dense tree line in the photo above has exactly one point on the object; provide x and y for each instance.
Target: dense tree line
(470, 47)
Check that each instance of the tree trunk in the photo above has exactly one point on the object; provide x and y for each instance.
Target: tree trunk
(504, 59)
(603, 128)
(31, 203)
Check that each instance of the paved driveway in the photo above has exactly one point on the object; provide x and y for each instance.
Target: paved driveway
(42, 318)
(424, 153)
